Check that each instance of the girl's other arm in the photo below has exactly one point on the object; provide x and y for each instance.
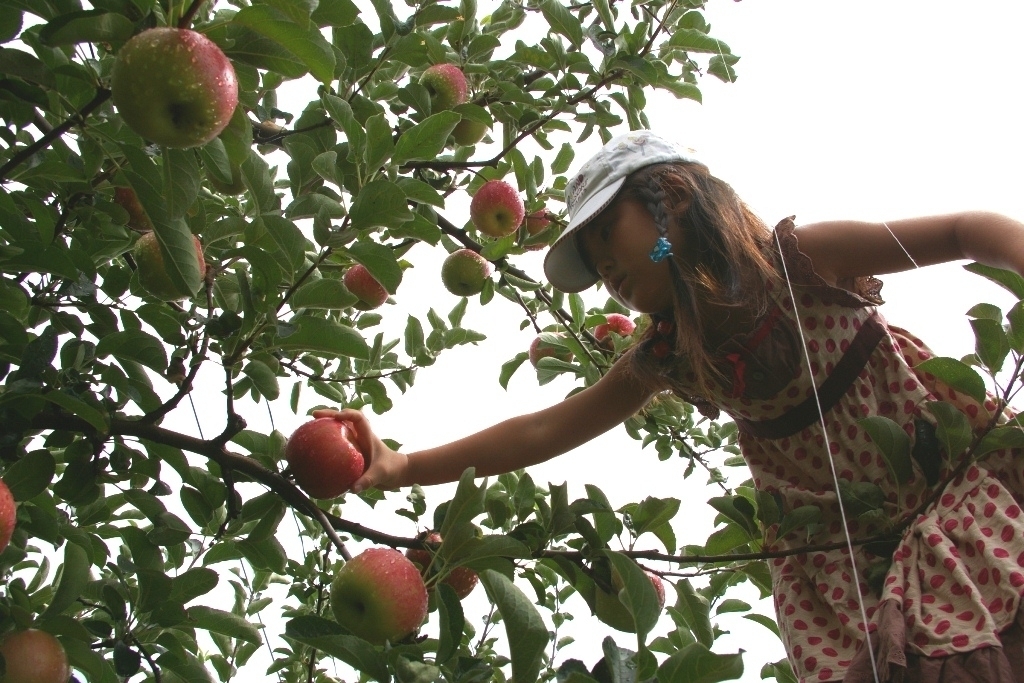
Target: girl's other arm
(841, 249)
(510, 445)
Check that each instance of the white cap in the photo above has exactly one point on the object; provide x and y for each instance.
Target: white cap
(593, 189)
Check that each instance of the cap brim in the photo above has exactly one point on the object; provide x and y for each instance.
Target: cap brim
(564, 266)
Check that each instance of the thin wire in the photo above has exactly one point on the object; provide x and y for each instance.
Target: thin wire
(831, 464)
(901, 244)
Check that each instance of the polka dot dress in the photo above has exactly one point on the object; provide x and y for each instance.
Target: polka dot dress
(957, 574)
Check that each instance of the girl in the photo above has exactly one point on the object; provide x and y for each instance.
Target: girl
(780, 330)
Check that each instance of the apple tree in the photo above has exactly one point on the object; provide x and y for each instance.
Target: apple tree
(148, 254)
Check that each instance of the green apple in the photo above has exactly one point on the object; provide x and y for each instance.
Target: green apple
(324, 458)
(462, 579)
(469, 132)
(465, 272)
(609, 609)
(446, 84)
(34, 656)
(8, 515)
(497, 209)
(360, 282)
(379, 596)
(152, 271)
(138, 219)
(174, 87)
(540, 348)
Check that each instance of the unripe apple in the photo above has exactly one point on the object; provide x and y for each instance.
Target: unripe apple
(371, 293)
(536, 223)
(324, 458)
(236, 186)
(542, 349)
(8, 515)
(153, 272)
(465, 272)
(462, 579)
(469, 132)
(174, 87)
(446, 84)
(497, 209)
(610, 610)
(379, 596)
(34, 656)
(138, 219)
(617, 323)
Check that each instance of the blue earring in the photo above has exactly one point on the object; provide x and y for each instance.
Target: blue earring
(662, 250)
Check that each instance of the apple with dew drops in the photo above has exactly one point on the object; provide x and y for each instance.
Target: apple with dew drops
(34, 656)
(465, 272)
(370, 292)
(497, 209)
(614, 322)
(379, 595)
(446, 84)
(323, 457)
(174, 87)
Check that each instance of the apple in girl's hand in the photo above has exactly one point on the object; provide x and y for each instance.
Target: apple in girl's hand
(174, 87)
(617, 323)
(462, 579)
(371, 293)
(324, 458)
(465, 272)
(138, 220)
(34, 656)
(542, 349)
(8, 515)
(497, 209)
(153, 271)
(610, 610)
(446, 84)
(379, 596)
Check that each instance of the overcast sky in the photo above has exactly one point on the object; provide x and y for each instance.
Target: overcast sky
(867, 110)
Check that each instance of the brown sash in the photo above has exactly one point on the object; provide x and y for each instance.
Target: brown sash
(831, 390)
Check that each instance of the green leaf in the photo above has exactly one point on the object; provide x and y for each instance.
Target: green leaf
(311, 48)
(73, 580)
(453, 622)
(798, 518)
(653, 513)
(952, 426)
(637, 594)
(265, 554)
(31, 474)
(135, 346)
(224, 623)
(326, 293)
(525, 629)
(509, 368)
(563, 21)
(991, 343)
(181, 169)
(331, 639)
(380, 261)
(697, 664)
(380, 204)
(1007, 279)
(767, 622)
(1008, 436)
(894, 443)
(739, 510)
(466, 505)
(956, 374)
(424, 141)
(87, 26)
(191, 584)
(693, 40)
(263, 378)
(692, 610)
(325, 336)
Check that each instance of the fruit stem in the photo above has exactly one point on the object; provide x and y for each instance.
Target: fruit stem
(190, 13)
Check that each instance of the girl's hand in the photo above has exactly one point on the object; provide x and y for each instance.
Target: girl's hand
(385, 468)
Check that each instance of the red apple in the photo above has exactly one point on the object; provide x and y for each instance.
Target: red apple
(536, 223)
(462, 579)
(617, 323)
(497, 209)
(34, 656)
(324, 458)
(379, 596)
(610, 610)
(138, 219)
(465, 272)
(371, 293)
(541, 349)
(174, 87)
(446, 84)
(153, 272)
(468, 132)
(8, 515)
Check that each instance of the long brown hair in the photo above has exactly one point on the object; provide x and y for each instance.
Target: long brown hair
(722, 259)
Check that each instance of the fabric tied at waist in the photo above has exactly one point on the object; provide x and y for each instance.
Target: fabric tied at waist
(831, 390)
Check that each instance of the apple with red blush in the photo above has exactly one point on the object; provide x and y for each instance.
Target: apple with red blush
(379, 596)
(323, 456)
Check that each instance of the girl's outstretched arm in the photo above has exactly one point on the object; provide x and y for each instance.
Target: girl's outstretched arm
(842, 249)
(510, 445)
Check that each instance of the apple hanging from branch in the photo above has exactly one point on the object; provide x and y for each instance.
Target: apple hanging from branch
(152, 270)
(446, 84)
(379, 595)
(465, 272)
(34, 656)
(174, 87)
(462, 579)
(497, 209)
(8, 515)
(370, 292)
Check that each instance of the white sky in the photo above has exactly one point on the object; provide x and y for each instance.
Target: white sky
(868, 110)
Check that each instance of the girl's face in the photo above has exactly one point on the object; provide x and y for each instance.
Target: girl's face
(617, 245)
